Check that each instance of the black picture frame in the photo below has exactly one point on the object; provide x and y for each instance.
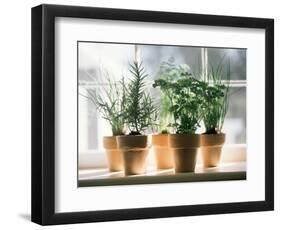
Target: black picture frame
(43, 114)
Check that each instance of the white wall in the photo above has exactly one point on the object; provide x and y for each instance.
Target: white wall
(15, 113)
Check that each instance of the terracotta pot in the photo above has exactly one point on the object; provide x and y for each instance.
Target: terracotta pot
(211, 145)
(134, 150)
(162, 151)
(114, 155)
(185, 148)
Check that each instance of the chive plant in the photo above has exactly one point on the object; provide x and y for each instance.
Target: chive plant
(216, 98)
(109, 99)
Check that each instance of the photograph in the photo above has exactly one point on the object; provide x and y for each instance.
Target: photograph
(140, 114)
(160, 113)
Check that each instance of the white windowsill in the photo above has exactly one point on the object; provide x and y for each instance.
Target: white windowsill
(90, 159)
(103, 177)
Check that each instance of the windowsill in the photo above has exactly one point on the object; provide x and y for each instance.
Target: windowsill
(102, 177)
(90, 159)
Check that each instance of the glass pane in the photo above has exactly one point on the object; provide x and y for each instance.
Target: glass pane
(153, 55)
(237, 58)
(99, 60)
(235, 122)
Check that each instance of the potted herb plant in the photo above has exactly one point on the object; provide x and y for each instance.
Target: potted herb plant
(186, 109)
(139, 115)
(160, 145)
(161, 149)
(215, 105)
(109, 100)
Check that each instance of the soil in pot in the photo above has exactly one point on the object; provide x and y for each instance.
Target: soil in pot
(185, 148)
(134, 149)
(162, 151)
(114, 155)
(211, 146)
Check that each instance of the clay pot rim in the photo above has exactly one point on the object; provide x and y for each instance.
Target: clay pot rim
(110, 142)
(212, 140)
(160, 134)
(122, 136)
(115, 135)
(184, 134)
(132, 141)
(184, 141)
(213, 134)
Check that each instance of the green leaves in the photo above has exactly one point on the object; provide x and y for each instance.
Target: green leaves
(185, 102)
(216, 99)
(169, 72)
(192, 100)
(109, 101)
(139, 112)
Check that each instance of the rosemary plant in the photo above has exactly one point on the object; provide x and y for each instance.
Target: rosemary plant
(139, 111)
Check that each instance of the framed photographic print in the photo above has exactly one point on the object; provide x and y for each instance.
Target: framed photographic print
(143, 114)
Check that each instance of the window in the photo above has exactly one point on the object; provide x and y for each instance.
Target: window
(94, 64)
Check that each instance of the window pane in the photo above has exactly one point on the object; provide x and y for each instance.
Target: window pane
(235, 122)
(237, 58)
(153, 55)
(98, 61)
